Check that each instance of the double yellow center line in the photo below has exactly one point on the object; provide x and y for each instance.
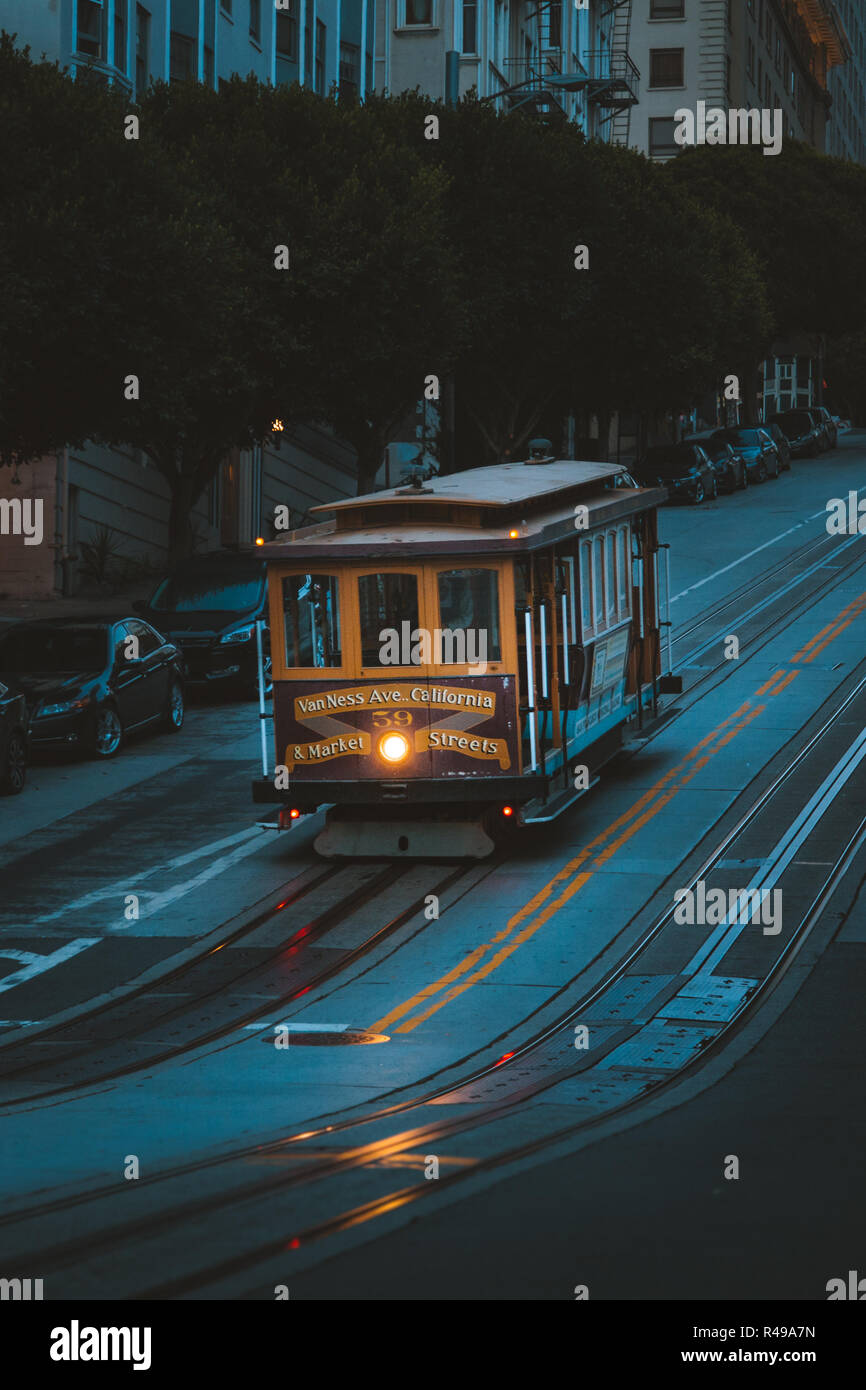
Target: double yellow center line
(483, 960)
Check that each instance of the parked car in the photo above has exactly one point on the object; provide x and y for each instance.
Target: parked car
(14, 740)
(729, 467)
(827, 423)
(209, 608)
(780, 440)
(684, 469)
(89, 683)
(800, 430)
(756, 447)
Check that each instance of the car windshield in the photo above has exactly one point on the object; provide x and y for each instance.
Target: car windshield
(794, 423)
(49, 649)
(752, 437)
(210, 592)
(714, 448)
(668, 460)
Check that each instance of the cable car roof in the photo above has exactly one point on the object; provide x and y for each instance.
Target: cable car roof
(504, 485)
(503, 508)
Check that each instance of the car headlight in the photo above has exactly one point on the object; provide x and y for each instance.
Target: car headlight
(393, 748)
(240, 634)
(63, 707)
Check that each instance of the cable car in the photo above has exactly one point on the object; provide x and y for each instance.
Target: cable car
(462, 655)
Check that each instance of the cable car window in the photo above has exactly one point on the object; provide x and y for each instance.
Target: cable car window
(610, 575)
(586, 586)
(386, 601)
(622, 571)
(311, 620)
(469, 609)
(598, 583)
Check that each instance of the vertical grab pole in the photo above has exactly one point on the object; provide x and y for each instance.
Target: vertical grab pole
(262, 715)
(565, 674)
(668, 607)
(542, 608)
(530, 687)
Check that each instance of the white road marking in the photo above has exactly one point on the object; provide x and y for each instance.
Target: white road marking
(781, 536)
(719, 942)
(161, 900)
(37, 964)
(303, 1027)
(124, 885)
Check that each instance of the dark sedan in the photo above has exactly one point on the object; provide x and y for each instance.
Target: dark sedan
(89, 683)
(209, 608)
(780, 440)
(14, 741)
(729, 467)
(757, 448)
(800, 430)
(684, 469)
(824, 420)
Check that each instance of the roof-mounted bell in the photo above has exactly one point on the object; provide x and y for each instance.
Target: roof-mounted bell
(540, 451)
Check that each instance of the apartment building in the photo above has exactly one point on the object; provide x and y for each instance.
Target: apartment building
(846, 132)
(537, 54)
(764, 54)
(323, 44)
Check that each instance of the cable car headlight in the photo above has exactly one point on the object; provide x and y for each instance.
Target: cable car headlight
(393, 748)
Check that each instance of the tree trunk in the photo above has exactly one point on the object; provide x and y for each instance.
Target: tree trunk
(179, 529)
(748, 385)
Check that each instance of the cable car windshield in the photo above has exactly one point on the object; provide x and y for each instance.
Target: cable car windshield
(311, 619)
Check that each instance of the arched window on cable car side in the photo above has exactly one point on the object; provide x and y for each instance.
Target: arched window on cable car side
(311, 620)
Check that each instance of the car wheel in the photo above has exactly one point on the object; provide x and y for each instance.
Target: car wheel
(762, 472)
(715, 492)
(699, 495)
(14, 773)
(175, 710)
(106, 733)
(744, 481)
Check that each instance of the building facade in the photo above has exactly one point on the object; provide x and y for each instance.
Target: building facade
(846, 133)
(753, 54)
(320, 43)
(544, 54)
(324, 44)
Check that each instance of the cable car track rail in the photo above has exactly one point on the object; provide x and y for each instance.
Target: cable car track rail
(331, 1162)
(309, 932)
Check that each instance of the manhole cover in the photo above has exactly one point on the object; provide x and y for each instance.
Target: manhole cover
(295, 1036)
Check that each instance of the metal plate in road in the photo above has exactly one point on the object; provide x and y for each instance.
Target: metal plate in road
(629, 999)
(709, 998)
(661, 1046)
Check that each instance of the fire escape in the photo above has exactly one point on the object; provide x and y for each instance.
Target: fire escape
(610, 80)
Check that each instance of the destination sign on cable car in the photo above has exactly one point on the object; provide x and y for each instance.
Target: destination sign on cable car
(399, 727)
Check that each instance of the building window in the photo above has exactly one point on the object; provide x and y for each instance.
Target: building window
(120, 34)
(287, 32)
(350, 70)
(321, 42)
(91, 29)
(470, 26)
(661, 136)
(667, 67)
(667, 9)
(182, 57)
(417, 12)
(142, 49)
(554, 31)
(256, 20)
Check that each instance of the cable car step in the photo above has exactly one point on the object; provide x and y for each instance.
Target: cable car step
(538, 812)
